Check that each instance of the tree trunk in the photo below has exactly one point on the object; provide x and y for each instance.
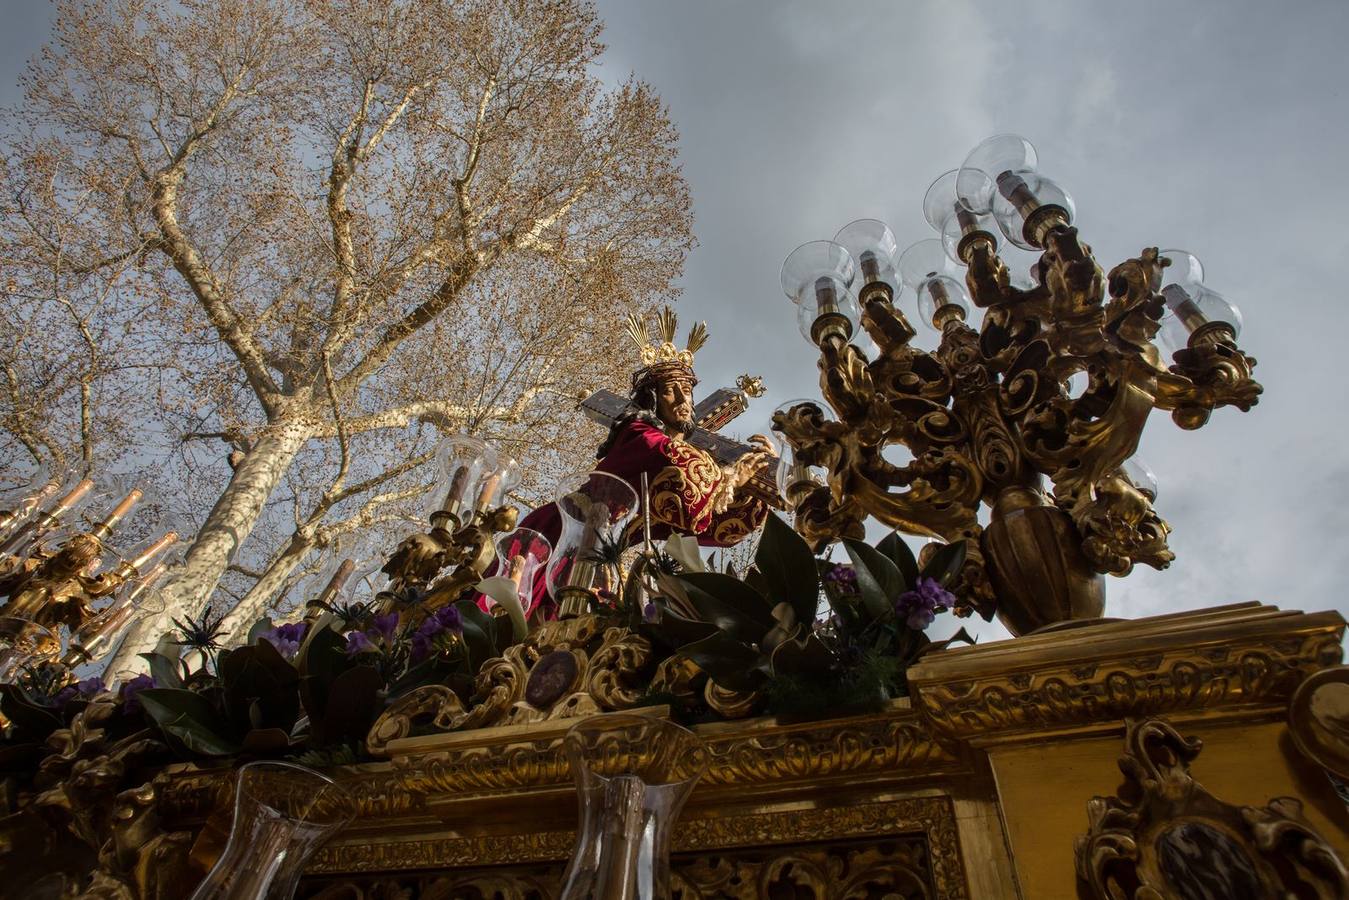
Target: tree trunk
(188, 589)
(251, 607)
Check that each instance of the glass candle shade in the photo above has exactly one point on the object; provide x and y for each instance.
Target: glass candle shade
(497, 484)
(92, 640)
(827, 308)
(1193, 312)
(1141, 476)
(463, 463)
(520, 555)
(872, 246)
(27, 533)
(633, 776)
(942, 299)
(282, 814)
(20, 502)
(1022, 199)
(975, 184)
(952, 219)
(23, 643)
(795, 479)
(595, 508)
(812, 260)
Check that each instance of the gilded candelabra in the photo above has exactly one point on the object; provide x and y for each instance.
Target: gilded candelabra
(1055, 386)
(51, 578)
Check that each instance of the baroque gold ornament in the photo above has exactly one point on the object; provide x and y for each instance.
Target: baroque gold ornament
(1035, 415)
(1169, 837)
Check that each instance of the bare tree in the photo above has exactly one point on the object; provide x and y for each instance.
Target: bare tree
(336, 229)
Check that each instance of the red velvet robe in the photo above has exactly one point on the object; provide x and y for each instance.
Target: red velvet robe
(683, 481)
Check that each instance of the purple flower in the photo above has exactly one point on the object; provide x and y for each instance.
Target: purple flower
(842, 578)
(129, 689)
(386, 626)
(445, 619)
(286, 638)
(80, 690)
(650, 613)
(357, 642)
(919, 607)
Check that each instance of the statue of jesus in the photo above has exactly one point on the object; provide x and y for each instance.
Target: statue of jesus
(690, 493)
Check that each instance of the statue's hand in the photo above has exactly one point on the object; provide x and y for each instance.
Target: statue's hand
(764, 445)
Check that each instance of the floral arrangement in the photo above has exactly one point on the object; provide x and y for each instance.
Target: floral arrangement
(761, 632)
(801, 634)
(310, 690)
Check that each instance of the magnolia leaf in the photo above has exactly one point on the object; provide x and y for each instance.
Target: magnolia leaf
(730, 604)
(787, 566)
(189, 718)
(945, 564)
(898, 552)
(507, 595)
(730, 663)
(479, 633)
(675, 630)
(351, 706)
(878, 579)
(803, 656)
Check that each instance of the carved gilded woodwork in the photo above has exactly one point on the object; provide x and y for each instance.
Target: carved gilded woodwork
(896, 867)
(1243, 655)
(1169, 837)
(1318, 720)
(564, 669)
(988, 416)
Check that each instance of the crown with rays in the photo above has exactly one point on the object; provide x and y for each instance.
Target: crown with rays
(661, 359)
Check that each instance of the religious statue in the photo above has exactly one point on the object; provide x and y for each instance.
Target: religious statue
(699, 483)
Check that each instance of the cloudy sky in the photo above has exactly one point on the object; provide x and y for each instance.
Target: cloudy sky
(1218, 127)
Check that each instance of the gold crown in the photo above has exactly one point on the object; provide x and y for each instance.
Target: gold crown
(662, 359)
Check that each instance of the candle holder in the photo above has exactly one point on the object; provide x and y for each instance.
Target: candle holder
(989, 416)
(24, 643)
(282, 814)
(595, 508)
(520, 555)
(633, 776)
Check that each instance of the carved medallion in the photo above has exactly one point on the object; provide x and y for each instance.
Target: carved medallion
(1169, 837)
(552, 676)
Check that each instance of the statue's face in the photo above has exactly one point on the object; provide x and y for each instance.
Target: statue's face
(674, 405)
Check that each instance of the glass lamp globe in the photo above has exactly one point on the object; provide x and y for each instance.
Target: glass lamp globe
(1188, 310)
(872, 246)
(923, 260)
(1185, 269)
(977, 176)
(1018, 195)
(497, 483)
(595, 509)
(795, 478)
(1141, 476)
(520, 555)
(811, 261)
(827, 295)
(937, 295)
(462, 462)
(950, 217)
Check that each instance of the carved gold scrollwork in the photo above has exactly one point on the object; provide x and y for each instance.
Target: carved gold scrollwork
(991, 411)
(571, 667)
(730, 704)
(1169, 837)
